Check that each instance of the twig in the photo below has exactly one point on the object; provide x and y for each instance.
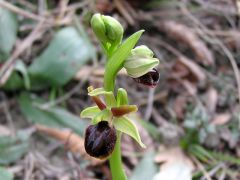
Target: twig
(221, 45)
(201, 167)
(20, 11)
(149, 104)
(8, 66)
(122, 9)
(67, 95)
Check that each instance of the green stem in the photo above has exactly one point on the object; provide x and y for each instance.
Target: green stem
(114, 64)
(116, 161)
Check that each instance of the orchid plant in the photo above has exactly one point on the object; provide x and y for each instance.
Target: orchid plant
(109, 118)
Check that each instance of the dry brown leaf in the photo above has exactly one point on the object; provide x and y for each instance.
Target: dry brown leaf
(174, 164)
(184, 34)
(221, 119)
(73, 142)
(211, 100)
(180, 105)
(193, 68)
(171, 155)
(4, 131)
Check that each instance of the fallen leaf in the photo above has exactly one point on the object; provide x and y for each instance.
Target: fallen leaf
(72, 141)
(4, 131)
(193, 68)
(180, 105)
(174, 165)
(221, 119)
(211, 100)
(183, 34)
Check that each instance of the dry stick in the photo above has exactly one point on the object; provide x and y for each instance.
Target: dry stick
(149, 104)
(201, 167)
(222, 46)
(20, 11)
(124, 12)
(8, 66)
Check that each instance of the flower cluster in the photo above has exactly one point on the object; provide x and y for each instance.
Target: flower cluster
(110, 116)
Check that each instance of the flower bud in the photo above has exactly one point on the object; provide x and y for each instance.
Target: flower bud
(107, 29)
(140, 61)
(149, 79)
(100, 140)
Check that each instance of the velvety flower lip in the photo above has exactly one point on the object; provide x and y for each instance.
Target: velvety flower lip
(100, 140)
(149, 79)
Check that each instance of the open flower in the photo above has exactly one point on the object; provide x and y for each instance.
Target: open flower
(140, 66)
(108, 117)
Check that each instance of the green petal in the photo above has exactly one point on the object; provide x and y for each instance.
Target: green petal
(125, 125)
(90, 112)
(122, 97)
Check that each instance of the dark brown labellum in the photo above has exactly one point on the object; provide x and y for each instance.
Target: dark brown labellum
(150, 79)
(100, 140)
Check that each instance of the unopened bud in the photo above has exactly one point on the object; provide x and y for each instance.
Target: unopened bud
(107, 29)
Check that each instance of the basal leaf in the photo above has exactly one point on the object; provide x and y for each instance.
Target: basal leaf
(8, 32)
(125, 125)
(52, 117)
(60, 61)
(5, 174)
(13, 148)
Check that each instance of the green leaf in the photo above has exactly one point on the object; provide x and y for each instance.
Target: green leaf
(13, 148)
(125, 125)
(52, 117)
(122, 97)
(116, 61)
(5, 174)
(19, 79)
(61, 60)
(8, 32)
(146, 169)
(15, 82)
(20, 66)
(89, 112)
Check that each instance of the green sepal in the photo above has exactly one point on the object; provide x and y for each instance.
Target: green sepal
(108, 94)
(104, 115)
(122, 97)
(126, 126)
(90, 112)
